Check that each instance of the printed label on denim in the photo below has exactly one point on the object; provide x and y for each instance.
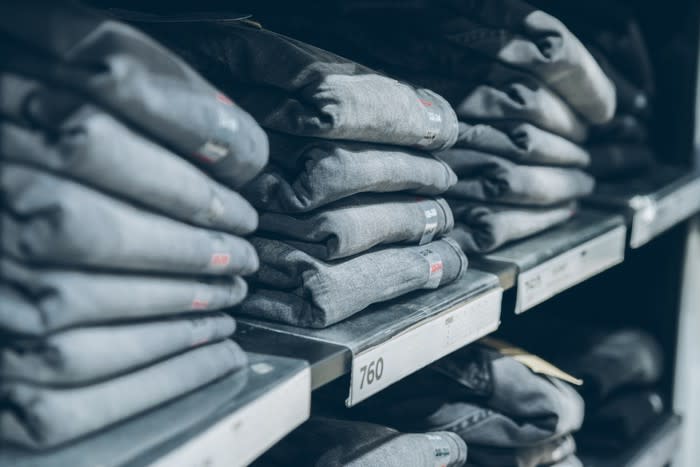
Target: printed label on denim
(211, 152)
(433, 119)
(217, 147)
(431, 221)
(213, 213)
(441, 450)
(435, 268)
(203, 296)
(200, 331)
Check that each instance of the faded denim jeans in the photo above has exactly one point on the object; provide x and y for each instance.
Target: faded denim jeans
(295, 288)
(96, 149)
(53, 220)
(482, 228)
(325, 442)
(136, 79)
(487, 178)
(296, 88)
(79, 297)
(41, 417)
(549, 453)
(313, 173)
(87, 354)
(356, 224)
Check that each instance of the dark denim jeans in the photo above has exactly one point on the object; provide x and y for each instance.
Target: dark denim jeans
(549, 453)
(296, 88)
(620, 160)
(482, 228)
(326, 442)
(311, 173)
(133, 77)
(297, 289)
(53, 220)
(356, 224)
(40, 300)
(41, 417)
(96, 149)
(87, 354)
(487, 178)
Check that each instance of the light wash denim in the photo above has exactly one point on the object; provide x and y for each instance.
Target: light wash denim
(296, 88)
(134, 78)
(312, 173)
(482, 228)
(356, 224)
(87, 354)
(53, 220)
(41, 417)
(39, 300)
(295, 288)
(487, 178)
(327, 442)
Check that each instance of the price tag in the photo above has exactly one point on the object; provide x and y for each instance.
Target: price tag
(240, 438)
(654, 217)
(570, 268)
(382, 365)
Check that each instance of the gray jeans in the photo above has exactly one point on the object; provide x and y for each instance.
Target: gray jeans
(324, 442)
(481, 228)
(549, 453)
(356, 224)
(313, 92)
(96, 149)
(53, 220)
(41, 417)
(313, 173)
(138, 80)
(295, 288)
(484, 177)
(40, 300)
(87, 354)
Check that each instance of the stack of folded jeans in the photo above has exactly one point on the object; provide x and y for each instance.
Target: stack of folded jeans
(116, 249)
(508, 414)
(323, 442)
(350, 213)
(524, 87)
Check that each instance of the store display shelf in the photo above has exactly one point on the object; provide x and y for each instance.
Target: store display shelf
(230, 422)
(656, 448)
(553, 261)
(389, 341)
(652, 204)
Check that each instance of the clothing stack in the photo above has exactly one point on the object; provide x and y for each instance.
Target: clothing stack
(323, 442)
(511, 409)
(116, 248)
(524, 87)
(350, 215)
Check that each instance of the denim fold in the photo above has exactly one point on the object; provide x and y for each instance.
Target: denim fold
(356, 224)
(52, 220)
(295, 288)
(42, 417)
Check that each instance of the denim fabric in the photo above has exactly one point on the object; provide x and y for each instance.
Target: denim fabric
(619, 160)
(518, 35)
(486, 398)
(87, 354)
(96, 149)
(41, 417)
(295, 288)
(522, 143)
(483, 177)
(135, 78)
(326, 442)
(313, 173)
(39, 300)
(481, 228)
(296, 88)
(543, 454)
(621, 129)
(53, 220)
(631, 99)
(356, 224)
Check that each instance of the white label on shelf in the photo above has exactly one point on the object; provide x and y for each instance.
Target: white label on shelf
(570, 268)
(658, 216)
(382, 365)
(241, 437)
